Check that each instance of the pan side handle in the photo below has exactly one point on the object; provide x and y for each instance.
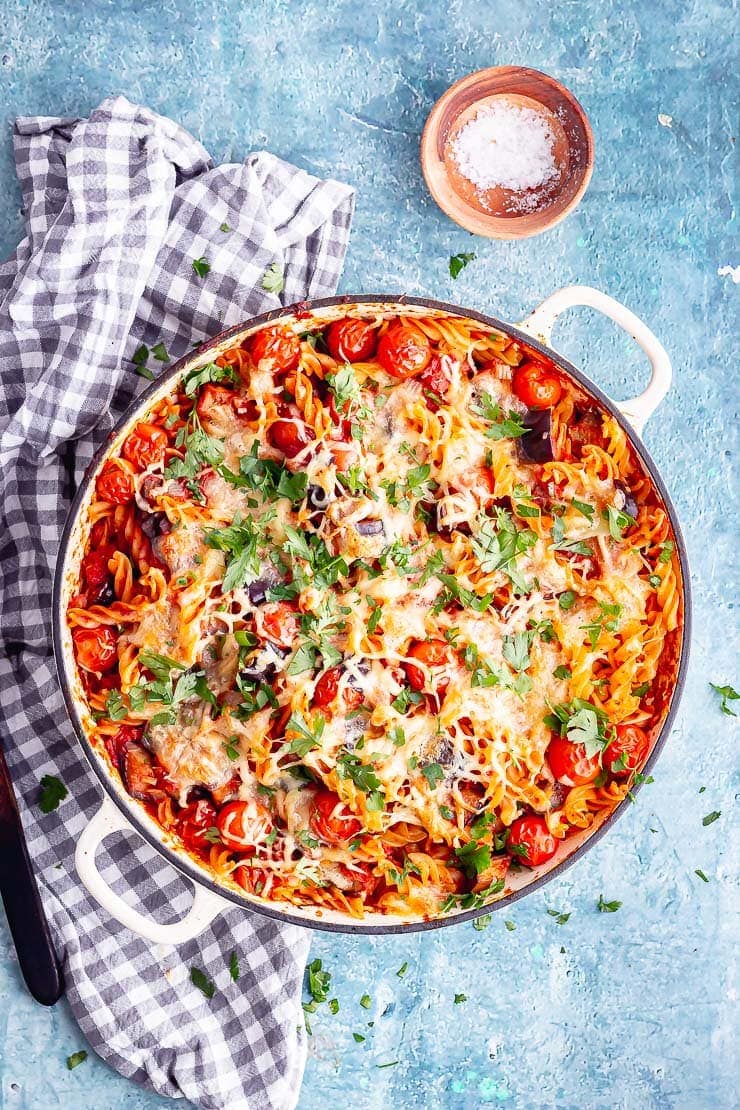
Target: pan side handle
(539, 324)
(206, 905)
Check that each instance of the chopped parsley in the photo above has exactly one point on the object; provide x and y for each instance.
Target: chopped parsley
(510, 925)
(711, 817)
(273, 279)
(508, 426)
(160, 352)
(406, 698)
(76, 1059)
(318, 981)
(199, 980)
(608, 619)
(309, 734)
(458, 262)
(234, 967)
(401, 973)
(582, 723)
(366, 1002)
(562, 672)
(618, 521)
(201, 267)
(560, 918)
(666, 551)
(460, 998)
(482, 922)
(433, 773)
(567, 600)
(727, 694)
(209, 373)
(141, 354)
(114, 706)
(497, 545)
(52, 792)
(240, 541)
(350, 766)
(607, 907)
(701, 875)
(583, 508)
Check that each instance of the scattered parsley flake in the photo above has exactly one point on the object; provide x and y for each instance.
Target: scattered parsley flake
(273, 279)
(482, 922)
(402, 970)
(701, 875)
(76, 1059)
(201, 267)
(234, 967)
(607, 907)
(458, 262)
(366, 1002)
(711, 817)
(510, 925)
(53, 791)
(460, 998)
(160, 352)
(224, 227)
(560, 918)
(199, 980)
(358, 1038)
(727, 694)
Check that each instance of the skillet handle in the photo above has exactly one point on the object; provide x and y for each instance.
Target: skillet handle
(205, 905)
(539, 325)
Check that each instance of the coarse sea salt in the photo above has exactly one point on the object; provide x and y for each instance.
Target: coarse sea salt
(506, 146)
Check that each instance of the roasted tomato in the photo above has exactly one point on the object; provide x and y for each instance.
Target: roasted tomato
(279, 622)
(290, 436)
(145, 445)
(536, 386)
(351, 340)
(194, 821)
(327, 688)
(570, 764)
(433, 653)
(280, 345)
(217, 407)
(244, 825)
(584, 430)
(117, 743)
(95, 567)
(530, 841)
(252, 879)
(359, 878)
(626, 752)
(114, 484)
(436, 380)
(331, 820)
(404, 351)
(95, 648)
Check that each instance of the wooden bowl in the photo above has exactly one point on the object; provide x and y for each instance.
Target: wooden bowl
(499, 213)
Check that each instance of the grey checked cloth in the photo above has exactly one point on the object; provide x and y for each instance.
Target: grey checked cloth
(117, 207)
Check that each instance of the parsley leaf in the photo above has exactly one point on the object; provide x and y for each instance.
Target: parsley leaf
(319, 981)
(350, 766)
(460, 998)
(562, 672)
(273, 280)
(507, 426)
(701, 875)
(208, 373)
(711, 817)
(666, 551)
(433, 773)
(201, 267)
(199, 980)
(76, 1059)
(240, 541)
(234, 967)
(458, 262)
(53, 791)
(618, 521)
(607, 907)
(141, 354)
(567, 600)
(114, 706)
(498, 543)
(727, 694)
(160, 352)
(560, 918)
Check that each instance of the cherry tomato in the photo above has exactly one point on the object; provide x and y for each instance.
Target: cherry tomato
(351, 340)
(530, 841)
(536, 386)
(627, 751)
(327, 688)
(436, 379)
(404, 351)
(570, 764)
(433, 653)
(331, 820)
(114, 484)
(244, 825)
(280, 345)
(95, 648)
(193, 823)
(252, 879)
(359, 877)
(279, 620)
(145, 445)
(290, 436)
(115, 744)
(95, 567)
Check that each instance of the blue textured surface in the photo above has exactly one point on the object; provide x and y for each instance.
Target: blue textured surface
(632, 1009)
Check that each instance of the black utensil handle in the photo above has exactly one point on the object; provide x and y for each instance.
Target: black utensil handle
(20, 894)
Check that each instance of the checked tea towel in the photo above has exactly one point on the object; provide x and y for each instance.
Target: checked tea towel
(117, 207)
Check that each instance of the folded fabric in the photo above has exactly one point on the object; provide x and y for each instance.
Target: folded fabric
(117, 208)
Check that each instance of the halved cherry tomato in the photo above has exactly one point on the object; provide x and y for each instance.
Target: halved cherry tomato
(404, 351)
(536, 386)
(95, 648)
(145, 445)
(244, 825)
(359, 877)
(433, 653)
(280, 345)
(351, 340)
(290, 436)
(331, 820)
(279, 621)
(114, 484)
(436, 379)
(95, 567)
(327, 688)
(570, 764)
(530, 841)
(252, 879)
(193, 823)
(626, 751)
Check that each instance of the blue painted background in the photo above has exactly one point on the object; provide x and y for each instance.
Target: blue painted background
(632, 1009)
